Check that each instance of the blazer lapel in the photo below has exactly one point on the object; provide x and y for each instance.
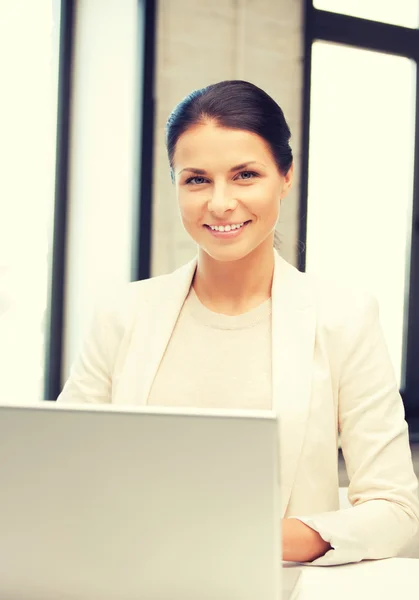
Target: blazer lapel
(151, 334)
(293, 337)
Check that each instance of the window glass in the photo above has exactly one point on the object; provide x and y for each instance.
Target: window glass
(361, 176)
(29, 33)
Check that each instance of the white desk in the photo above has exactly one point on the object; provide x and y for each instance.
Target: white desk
(389, 579)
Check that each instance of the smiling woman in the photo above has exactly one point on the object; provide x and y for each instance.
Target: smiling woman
(227, 190)
(240, 328)
(234, 160)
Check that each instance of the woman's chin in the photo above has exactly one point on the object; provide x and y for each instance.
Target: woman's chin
(227, 253)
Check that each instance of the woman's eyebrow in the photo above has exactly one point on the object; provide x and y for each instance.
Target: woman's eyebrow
(236, 168)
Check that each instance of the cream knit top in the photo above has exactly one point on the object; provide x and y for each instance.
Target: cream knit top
(215, 360)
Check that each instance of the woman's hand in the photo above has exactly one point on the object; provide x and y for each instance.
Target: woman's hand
(300, 543)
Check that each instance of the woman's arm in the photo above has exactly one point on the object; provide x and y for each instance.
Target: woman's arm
(383, 488)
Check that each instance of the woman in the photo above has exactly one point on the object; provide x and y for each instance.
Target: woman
(239, 327)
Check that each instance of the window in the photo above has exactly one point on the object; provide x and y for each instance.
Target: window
(102, 175)
(29, 66)
(403, 12)
(359, 191)
(361, 175)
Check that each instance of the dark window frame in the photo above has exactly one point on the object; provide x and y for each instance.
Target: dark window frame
(401, 41)
(54, 322)
(142, 236)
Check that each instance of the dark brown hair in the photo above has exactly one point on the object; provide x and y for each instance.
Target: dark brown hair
(233, 104)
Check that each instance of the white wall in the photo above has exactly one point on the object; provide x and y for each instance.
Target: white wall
(200, 42)
(102, 157)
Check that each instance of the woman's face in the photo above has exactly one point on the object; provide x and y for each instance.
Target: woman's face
(229, 190)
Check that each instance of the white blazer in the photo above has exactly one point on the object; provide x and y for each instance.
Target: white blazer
(331, 374)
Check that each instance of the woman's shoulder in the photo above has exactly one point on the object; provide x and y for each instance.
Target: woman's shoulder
(341, 302)
(338, 301)
(157, 285)
(126, 301)
(335, 296)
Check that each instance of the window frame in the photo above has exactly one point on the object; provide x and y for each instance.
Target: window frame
(54, 322)
(400, 41)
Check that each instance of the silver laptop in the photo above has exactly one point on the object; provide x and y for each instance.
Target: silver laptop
(106, 503)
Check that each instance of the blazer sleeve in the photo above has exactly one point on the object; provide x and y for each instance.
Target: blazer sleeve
(383, 487)
(90, 378)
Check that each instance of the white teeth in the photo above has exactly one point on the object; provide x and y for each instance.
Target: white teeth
(226, 227)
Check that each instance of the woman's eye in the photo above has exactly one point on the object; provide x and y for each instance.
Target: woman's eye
(196, 180)
(247, 175)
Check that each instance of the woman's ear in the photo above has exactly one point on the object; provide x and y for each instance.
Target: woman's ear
(288, 180)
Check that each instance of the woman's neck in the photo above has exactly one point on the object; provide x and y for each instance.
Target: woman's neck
(235, 287)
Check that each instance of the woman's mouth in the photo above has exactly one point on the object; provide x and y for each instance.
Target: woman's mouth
(227, 231)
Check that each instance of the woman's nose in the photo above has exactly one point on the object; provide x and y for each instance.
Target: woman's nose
(221, 202)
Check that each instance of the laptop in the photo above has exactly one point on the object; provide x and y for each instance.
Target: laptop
(110, 503)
